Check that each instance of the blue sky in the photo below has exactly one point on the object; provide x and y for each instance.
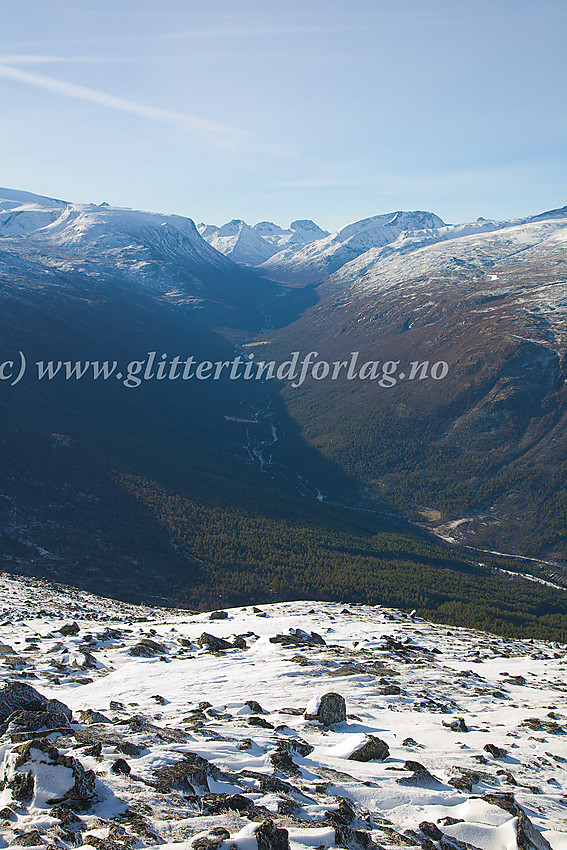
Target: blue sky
(263, 110)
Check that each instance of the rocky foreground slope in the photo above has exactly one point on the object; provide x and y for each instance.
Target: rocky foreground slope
(295, 725)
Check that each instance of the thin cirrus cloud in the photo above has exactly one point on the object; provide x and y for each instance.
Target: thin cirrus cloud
(214, 132)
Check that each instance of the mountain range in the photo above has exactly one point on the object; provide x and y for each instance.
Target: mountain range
(197, 492)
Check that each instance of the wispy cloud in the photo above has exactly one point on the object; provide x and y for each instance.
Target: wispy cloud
(214, 132)
(47, 59)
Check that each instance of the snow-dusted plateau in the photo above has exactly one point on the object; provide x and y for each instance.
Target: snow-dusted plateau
(301, 725)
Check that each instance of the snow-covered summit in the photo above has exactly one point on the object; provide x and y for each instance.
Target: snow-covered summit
(324, 256)
(251, 246)
(160, 251)
(239, 241)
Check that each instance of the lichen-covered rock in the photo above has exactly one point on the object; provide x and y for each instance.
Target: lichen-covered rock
(211, 839)
(36, 772)
(90, 717)
(189, 776)
(271, 837)
(298, 637)
(527, 836)
(147, 648)
(327, 710)
(33, 721)
(212, 643)
(371, 749)
(19, 696)
(69, 629)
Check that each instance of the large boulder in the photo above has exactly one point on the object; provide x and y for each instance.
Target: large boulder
(37, 773)
(372, 749)
(19, 696)
(327, 710)
(147, 648)
(271, 837)
(212, 643)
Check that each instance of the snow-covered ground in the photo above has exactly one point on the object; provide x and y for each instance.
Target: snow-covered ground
(436, 737)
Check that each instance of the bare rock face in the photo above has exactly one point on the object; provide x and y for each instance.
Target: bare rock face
(372, 749)
(327, 710)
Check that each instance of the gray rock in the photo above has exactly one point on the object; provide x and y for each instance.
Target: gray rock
(271, 837)
(19, 696)
(212, 840)
(297, 637)
(27, 839)
(495, 752)
(527, 836)
(69, 629)
(80, 796)
(120, 766)
(331, 709)
(33, 721)
(90, 716)
(420, 776)
(218, 615)
(212, 643)
(147, 648)
(373, 749)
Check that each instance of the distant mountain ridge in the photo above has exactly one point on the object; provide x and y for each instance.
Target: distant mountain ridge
(252, 245)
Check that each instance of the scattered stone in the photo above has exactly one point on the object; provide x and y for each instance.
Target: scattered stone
(245, 744)
(283, 762)
(210, 840)
(254, 706)
(295, 745)
(69, 629)
(420, 776)
(116, 706)
(431, 830)
(148, 648)
(91, 717)
(297, 637)
(212, 643)
(342, 816)
(120, 766)
(457, 725)
(373, 749)
(129, 749)
(271, 837)
(218, 615)
(28, 839)
(214, 804)
(260, 721)
(327, 710)
(494, 751)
